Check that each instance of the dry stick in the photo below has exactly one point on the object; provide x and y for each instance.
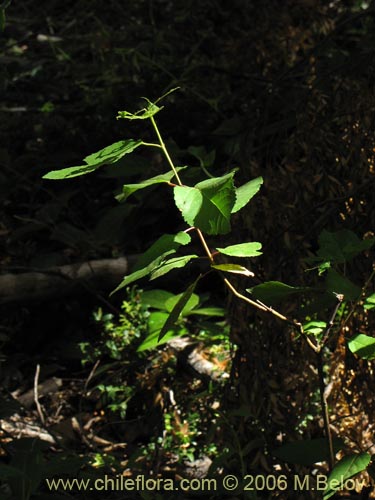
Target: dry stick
(36, 395)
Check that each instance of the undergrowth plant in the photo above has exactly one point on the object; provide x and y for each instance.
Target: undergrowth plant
(207, 209)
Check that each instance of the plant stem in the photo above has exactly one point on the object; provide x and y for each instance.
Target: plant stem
(257, 304)
(323, 402)
(165, 151)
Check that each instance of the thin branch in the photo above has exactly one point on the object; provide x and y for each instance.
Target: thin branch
(324, 405)
(36, 394)
(323, 342)
(165, 151)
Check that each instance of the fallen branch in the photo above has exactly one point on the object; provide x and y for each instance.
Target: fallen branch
(43, 284)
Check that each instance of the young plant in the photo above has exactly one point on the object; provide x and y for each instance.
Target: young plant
(207, 208)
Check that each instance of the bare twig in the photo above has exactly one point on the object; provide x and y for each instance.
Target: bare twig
(36, 395)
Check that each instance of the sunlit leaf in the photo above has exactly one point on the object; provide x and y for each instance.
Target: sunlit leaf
(246, 192)
(369, 302)
(242, 250)
(346, 468)
(315, 327)
(156, 298)
(233, 268)
(363, 346)
(155, 323)
(207, 205)
(165, 245)
(191, 303)
(153, 260)
(109, 155)
(128, 189)
(166, 266)
(140, 273)
(142, 114)
(178, 308)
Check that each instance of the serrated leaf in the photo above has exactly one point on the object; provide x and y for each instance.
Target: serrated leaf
(165, 245)
(346, 468)
(109, 155)
(128, 189)
(177, 309)
(246, 192)
(113, 153)
(166, 266)
(207, 205)
(273, 292)
(233, 268)
(242, 250)
(363, 345)
(307, 452)
(338, 284)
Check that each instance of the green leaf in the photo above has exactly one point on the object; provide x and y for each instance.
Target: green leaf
(156, 298)
(140, 273)
(341, 246)
(165, 245)
(346, 468)
(369, 302)
(338, 284)
(108, 155)
(113, 153)
(142, 114)
(208, 311)
(189, 306)
(307, 452)
(208, 204)
(273, 292)
(146, 112)
(242, 250)
(153, 341)
(233, 268)
(155, 323)
(166, 266)
(154, 258)
(128, 189)
(246, 192)
(177, 309)
(315, 327)
(363, 345)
